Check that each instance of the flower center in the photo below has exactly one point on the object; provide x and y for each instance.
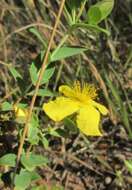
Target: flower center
(84, 92)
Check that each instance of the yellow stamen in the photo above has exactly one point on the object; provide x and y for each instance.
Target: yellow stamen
(84, 92)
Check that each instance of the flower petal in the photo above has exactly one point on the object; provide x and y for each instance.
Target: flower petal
(60, 108)
(88, 121)
(66, 90)
(100, 107)
(20, 114)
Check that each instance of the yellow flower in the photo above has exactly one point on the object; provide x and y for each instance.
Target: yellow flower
(20, 114)
(78, 98)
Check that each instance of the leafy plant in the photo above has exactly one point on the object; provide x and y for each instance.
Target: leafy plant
(37, 130)
(100, 11)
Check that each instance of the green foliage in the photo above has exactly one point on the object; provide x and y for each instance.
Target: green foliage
(34, 73)
(22, 105)
(47, 75)
(44, 141)
(8, 160)
(65, 52)
(53, 132)
(33, 137)
(42, 93)
(100, 11)
(96, 13)
(31, 161)
(15, 73)
(6, 106)
(24, 179)
(37, 34)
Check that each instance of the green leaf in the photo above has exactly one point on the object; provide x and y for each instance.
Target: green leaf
(15, 73)
(65, 52)
(8, 160)
(45, 142)
(22, 105)
(33, 137)
(33, 131)
(37, 34)
(100, 11)
(42, 93)
(6, 106)
(35, 176)
(23, 180)
(47, 75)
(53, 132)
(33, 73)
(32, 161)
(128, 164)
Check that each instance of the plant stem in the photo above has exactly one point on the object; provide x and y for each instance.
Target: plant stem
(37, 86)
